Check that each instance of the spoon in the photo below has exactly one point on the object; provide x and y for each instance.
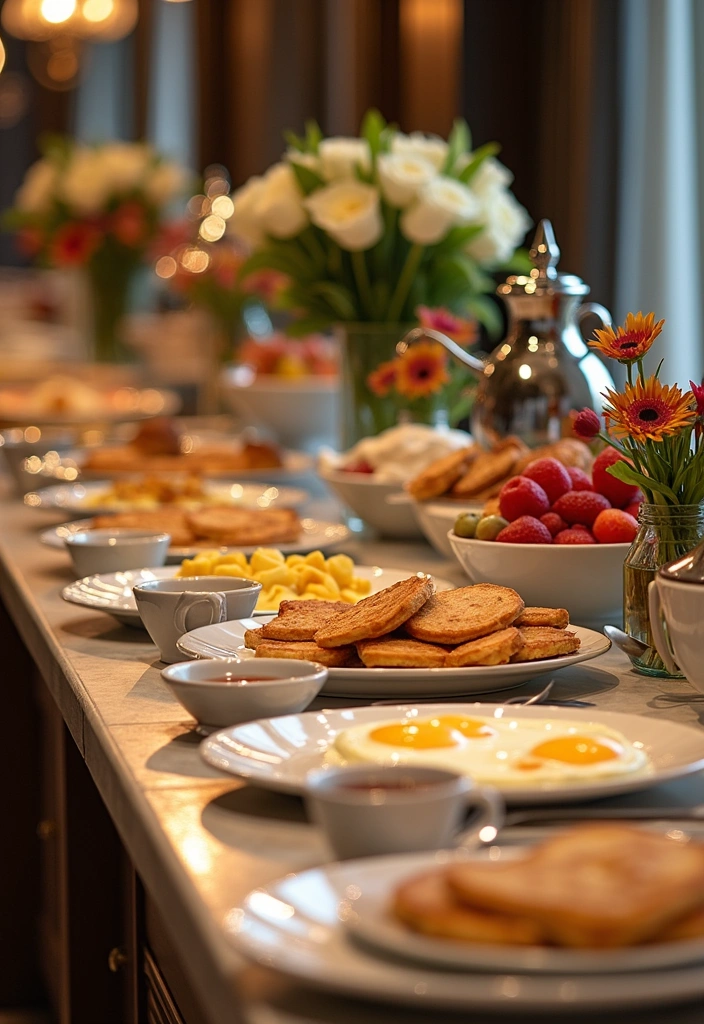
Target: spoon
(536, 698)
(628, 644)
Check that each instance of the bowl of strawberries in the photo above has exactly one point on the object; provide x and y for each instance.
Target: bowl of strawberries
(557, 535)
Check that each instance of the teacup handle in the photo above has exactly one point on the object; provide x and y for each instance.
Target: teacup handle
(215, 601)
(490, 805)
(662, 643)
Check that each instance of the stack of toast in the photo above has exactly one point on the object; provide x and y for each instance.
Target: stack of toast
(595, 886)
(408, 625)
(215, 526)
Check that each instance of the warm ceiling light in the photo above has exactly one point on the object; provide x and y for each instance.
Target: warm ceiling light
(57, 12)
(97, 10)
(39, 20)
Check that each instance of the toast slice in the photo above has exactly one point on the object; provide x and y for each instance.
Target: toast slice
(439, 477)
(545, 642)
(489, 468)
(300, 620)
(167, 520)
(400, 652)
(595, 886)
(495, 649)
(378, 614)
(559, 618)
(252, 638)
(456, 616)
(245, 527)
(305, 650)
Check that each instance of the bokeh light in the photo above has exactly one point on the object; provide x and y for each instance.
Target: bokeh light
(212, 228)
(166, 266)
(57, 11)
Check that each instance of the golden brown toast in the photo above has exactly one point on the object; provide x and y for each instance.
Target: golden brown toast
(426, 904)
(594, 886)
(300, 620)
(169, 520)
(245, 527)
(495, 649)
(400, 652)
(488, 468)
(252, 638)
(570, 451)
(559, 618)
(545, 642)
(305, 650)
(378, 614)
(456, 616)
(439, 477)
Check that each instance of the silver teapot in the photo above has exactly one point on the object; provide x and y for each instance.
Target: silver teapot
(543, 369)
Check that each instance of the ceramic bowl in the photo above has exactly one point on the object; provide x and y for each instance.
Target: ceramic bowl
(291, 687)
(99, 551)
(384, 506)
(302, 413)
(435, 518)
(587, 579)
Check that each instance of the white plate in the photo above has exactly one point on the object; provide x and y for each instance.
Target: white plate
(85, 499)
(112, 592)
(373, 924)
(294, 926)
(278, 753)
(116, 405)
(294, 464)
(315, 534)
(226, 639)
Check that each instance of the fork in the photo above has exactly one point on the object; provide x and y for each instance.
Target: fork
(536, 698)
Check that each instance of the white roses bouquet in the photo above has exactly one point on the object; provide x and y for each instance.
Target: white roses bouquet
(369, 229)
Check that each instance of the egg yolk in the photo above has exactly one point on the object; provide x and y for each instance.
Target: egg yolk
(416, 735)
(578, 749)
(469, 727)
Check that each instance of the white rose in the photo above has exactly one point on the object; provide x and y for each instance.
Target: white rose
(309, 160)
(244, 222)
(36, 191)
(349, 212)
(402, 176)
(505, 223)
(123, 165)
(490, 177)
(429, 147)
(279, 204)
(442, 204)
(164, 182)
(83, 187)
(340, 156)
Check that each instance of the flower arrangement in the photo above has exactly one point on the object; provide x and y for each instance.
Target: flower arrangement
(367, 229)
(656, 428)
(98, 208)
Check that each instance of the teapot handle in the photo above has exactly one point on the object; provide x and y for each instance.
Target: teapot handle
(595, 309)
(475, 365)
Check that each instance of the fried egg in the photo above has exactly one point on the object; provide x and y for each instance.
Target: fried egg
(502, 751)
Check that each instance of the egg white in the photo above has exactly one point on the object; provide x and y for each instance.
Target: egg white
(496, 758)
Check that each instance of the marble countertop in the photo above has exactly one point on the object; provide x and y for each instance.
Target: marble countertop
(201, 841)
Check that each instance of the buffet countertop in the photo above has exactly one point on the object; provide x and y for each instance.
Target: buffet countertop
(200, 841)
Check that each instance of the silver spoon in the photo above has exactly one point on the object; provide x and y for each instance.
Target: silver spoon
(536, 698)
(628, 644)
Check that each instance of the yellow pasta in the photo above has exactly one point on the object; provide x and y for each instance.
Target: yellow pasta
(309, 577)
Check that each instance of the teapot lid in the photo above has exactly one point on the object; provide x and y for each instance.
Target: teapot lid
(688, 569)
(543, 278)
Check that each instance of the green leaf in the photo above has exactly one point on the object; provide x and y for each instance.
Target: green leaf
(487, 313)
(519, 263)
(373, 127)
(458, 238)
(295, 141)
(459, 142)
(306, 325)
(478, 158)
(314, 136)
(307, 179)
(622, 471)
(340, 299)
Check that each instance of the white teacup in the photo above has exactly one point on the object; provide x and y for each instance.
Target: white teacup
(367, 811)
(170, 608)
(681, 606)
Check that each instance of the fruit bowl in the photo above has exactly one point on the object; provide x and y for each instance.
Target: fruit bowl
(587, 579)
(435, 518)
(384, 506)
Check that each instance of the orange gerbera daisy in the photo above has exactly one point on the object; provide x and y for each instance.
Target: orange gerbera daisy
(649, 410)
(421, 370)
(631, 341)
(383, 378)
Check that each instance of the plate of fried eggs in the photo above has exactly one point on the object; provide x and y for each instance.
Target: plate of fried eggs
(532, 755)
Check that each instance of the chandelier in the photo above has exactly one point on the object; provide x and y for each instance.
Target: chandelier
(41, 20)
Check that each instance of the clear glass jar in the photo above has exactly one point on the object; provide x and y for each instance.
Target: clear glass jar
(666, 533)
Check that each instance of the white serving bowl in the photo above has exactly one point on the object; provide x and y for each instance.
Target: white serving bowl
(98, 551)
(435, 518)
(303, 412)
(384, 506)
(586, 579)
(291, 688)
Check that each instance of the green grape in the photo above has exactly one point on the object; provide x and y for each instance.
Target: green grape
(490, 527)
(466, 524)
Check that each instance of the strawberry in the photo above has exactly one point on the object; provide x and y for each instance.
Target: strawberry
(525, 530)
(361, 466)
(522, 497)
(551, 475)
(580, 480)
(553, 522)
(613, 526)
(633, 510)
(574, 537)
(580, 506)
(618, 493)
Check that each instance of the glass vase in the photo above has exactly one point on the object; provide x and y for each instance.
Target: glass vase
(109, 283)
(363, 347)
(666, 532)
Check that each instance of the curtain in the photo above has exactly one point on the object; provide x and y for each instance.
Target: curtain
(661, 188)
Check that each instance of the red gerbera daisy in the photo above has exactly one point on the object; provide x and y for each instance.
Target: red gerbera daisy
(382, 380)
(73, 244)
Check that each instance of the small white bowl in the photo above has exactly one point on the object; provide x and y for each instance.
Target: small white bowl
(384, 506)
(436, 517)
(291, 687)
(586, 579)
(99, 551)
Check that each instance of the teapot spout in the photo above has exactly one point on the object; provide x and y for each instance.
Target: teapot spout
(477, 366)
